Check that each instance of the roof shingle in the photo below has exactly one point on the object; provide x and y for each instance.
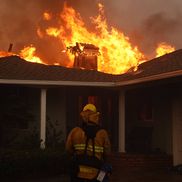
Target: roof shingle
(15, 68)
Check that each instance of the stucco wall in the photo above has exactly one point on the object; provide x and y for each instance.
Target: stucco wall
(162, 132)
(160, 125)
(177, 129)
(34, 100)
(56, 109)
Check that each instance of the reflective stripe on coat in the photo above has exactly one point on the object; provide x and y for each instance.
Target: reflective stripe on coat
(76, 143)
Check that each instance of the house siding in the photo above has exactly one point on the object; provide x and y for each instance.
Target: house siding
(56, 110)
(149, 135)
(177, 129)
(162, 133)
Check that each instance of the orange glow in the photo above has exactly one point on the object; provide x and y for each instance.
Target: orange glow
(5, 53)
(117, 55)
(164, 48)
(52, 31)
(40, 33)
(28, 53)
(47, 16)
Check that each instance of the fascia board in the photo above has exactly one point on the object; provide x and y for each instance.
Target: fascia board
(150, 78)
(56, 83)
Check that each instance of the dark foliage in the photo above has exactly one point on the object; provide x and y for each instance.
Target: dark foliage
(177, 169)
(35, 163)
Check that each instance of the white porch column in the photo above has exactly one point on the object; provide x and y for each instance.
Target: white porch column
(43, 118)
(121, 121)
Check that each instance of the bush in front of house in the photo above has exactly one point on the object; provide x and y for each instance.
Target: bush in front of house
(32, 163)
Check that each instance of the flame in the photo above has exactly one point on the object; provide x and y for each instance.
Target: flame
(5, 53)
(52, 31)
(164, 48)
(117, 55)
(28, 53)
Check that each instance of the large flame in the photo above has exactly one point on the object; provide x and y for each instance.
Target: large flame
(164, 48)
(117, 54)
(28, 53)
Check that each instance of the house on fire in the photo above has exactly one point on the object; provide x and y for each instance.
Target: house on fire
(142, 110)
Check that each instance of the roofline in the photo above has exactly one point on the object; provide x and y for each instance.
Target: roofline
(96, 84)
(150, 78)
(56, 83)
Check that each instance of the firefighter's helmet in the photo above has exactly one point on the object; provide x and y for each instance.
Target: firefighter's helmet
(90, 107)
(89, 114)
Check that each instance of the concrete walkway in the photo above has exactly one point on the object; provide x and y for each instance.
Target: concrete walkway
(146, 176)
(132, 176)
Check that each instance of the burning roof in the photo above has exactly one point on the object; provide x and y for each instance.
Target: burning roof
(85, 55)
(116, 52)
(16, 70)
(84, 49)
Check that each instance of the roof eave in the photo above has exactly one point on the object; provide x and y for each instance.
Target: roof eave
(56, 83)
(93, 84)
(150, 78)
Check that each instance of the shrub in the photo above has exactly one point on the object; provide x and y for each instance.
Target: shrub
(34, 163)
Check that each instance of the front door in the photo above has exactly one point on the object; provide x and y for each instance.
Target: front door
(177, 131)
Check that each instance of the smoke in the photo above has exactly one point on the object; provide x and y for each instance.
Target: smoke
(148, 23)
(145, 22)
(19, 21)
(158, 28)
(16, 23)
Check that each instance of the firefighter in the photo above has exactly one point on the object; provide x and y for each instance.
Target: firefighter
(89, 146)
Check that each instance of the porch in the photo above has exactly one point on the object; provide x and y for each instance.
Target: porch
(138, 162)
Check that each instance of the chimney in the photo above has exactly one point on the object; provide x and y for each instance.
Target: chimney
(10, 47)
(85, 55)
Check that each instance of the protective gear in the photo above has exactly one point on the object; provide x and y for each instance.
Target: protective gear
(90, 114)
(76, 143)
(90, 107)
(104, 173)
(88, 144)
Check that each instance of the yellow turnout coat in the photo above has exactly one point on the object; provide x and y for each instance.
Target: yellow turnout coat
(76, 143)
